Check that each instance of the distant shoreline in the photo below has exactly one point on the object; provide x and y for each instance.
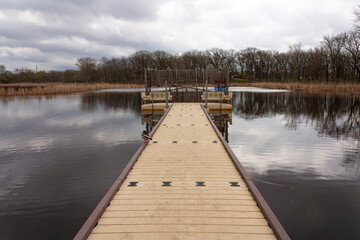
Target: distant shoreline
(39, 89)
(332, 88)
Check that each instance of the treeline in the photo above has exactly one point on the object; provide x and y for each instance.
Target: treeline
(337, 58)
(28, 75)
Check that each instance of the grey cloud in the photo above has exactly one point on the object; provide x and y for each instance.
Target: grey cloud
(122, 9)
(58, 32)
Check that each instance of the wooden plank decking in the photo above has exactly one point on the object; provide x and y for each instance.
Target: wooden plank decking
(159, 108)
(185, 150)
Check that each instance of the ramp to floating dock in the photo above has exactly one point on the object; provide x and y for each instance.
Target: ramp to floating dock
(185, 185)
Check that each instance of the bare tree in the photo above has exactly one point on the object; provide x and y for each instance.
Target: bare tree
(139, 61)
(276, 65)
(239, 60)
(317, 66)
(193, 59)
(352, 46)
(2, 69)
(230, 60)
(250, 59)
(356, 26)
(334, 45)
(296, 61)
(87, 68)
(216, 57)
(284, 65)
(265, 64)
(161, 59)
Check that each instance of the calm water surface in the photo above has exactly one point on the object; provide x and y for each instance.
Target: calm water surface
(309, 146)
(58, 157)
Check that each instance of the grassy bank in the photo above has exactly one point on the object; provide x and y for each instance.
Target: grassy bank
(335, 88)
(36, 89)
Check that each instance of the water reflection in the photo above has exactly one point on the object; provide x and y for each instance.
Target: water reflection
(58, 157)
(128, 101)
(334, 116)
(351, 160)
(311, 143)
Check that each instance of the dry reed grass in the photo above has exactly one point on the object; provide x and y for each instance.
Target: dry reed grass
(334, 88)
(38, 89)
(34, 89)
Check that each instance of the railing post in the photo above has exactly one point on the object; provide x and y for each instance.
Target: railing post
(206, 94)
(152, 107)
(227, 82)
(146, 83)
(166, 95)
(220, 102)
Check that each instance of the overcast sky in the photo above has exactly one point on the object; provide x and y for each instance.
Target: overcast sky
(52, 34)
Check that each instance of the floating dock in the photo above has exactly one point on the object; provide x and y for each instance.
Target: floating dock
(184, 184)
(160, 108)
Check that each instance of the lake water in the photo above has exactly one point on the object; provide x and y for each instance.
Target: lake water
(59, 155)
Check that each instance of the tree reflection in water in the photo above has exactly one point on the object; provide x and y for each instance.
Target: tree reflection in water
(127, 101)
(334, 116)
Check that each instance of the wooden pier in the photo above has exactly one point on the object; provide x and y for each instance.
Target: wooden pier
(185, 184)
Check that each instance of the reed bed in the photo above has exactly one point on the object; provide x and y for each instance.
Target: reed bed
(38, 89)
(335, 88)
(34, 89)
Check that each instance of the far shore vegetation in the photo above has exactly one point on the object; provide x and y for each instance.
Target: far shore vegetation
(38, 89)
(310, 87)
(333, 66)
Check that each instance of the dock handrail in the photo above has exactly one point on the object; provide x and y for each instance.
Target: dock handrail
(274, 223)
(92, 220)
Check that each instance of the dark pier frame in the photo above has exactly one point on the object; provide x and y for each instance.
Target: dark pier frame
(178, 78)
